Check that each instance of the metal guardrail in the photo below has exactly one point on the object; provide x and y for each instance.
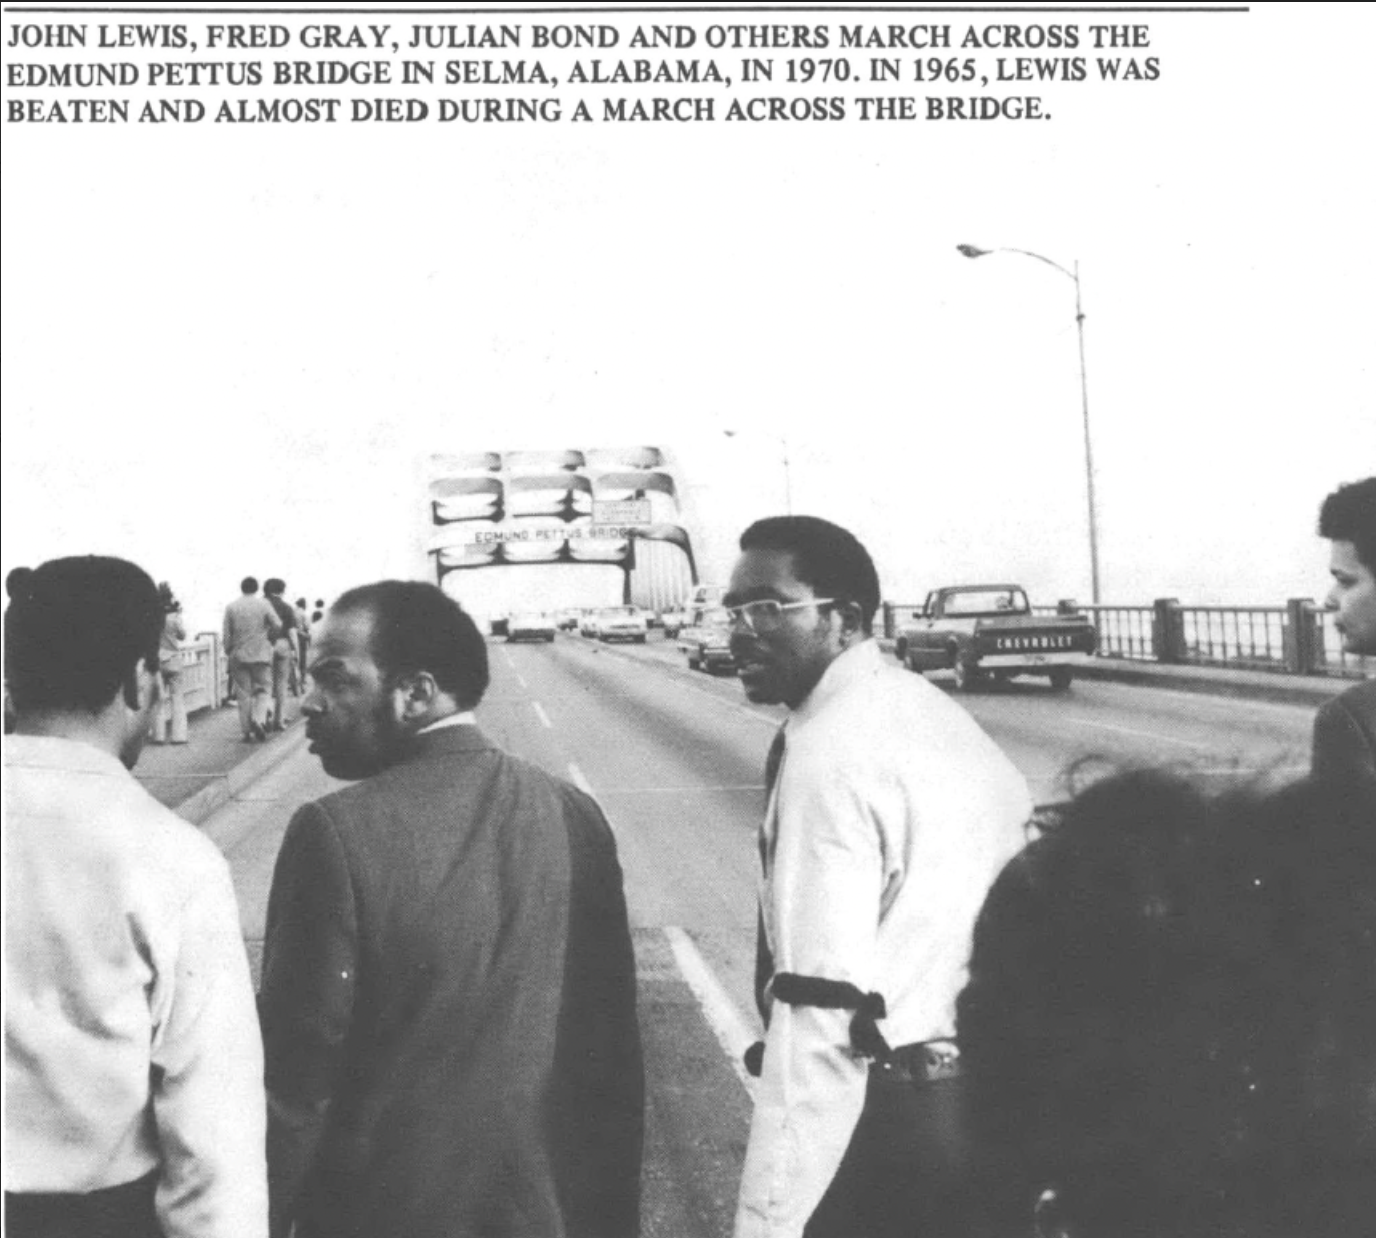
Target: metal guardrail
(1298, 638)
(205, 673)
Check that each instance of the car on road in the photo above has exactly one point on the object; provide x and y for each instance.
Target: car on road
(980, 631)
(621, 623)
(708, 642)
(673, 620)
(587, 622)
(530, 625)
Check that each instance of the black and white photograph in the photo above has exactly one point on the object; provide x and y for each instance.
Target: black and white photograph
(689, 621)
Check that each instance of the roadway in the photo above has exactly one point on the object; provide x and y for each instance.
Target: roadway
(675, 758)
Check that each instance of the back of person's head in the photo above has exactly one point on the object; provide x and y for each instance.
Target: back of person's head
(77, 632)
(300, 603)
(1171, 1014)
(249, 584)
(826, 557)
(275, 586)
(1349, 515)
(419, 627)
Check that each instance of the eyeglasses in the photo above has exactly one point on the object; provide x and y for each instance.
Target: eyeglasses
(767, 615)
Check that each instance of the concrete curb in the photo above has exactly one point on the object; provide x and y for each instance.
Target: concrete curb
(1284, 691)
(1209, 681)
(199, 805)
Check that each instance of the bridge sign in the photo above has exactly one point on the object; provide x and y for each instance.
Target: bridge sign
(624, 511)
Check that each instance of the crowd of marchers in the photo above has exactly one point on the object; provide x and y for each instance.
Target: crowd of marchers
(1157, 1020)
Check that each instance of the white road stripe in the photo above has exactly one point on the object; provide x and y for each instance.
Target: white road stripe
(521, 679)
(506, 653)
(579, 779)
(678, 790)
(1156, 735)
(733, 1033)
(540, 713)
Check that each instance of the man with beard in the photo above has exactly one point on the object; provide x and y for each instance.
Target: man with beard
(889, 815)
(1345, 728)
(448, 1001)
(133, 1068)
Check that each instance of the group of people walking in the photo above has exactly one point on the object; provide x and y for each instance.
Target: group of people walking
(266, 642)
(1156, 1021)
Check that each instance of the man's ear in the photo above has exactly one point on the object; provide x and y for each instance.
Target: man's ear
(419, 692)
(141, 686)
(852, 623)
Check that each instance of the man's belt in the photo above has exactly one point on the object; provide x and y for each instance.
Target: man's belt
(865, 1036)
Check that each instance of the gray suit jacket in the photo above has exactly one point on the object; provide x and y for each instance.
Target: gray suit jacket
(448, 1007)
(1345, 738)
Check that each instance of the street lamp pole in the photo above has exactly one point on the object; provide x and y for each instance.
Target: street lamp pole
(788, 469)
(973, 251)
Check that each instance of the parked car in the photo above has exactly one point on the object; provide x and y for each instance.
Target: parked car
(530, 625)
(621, 623)
(708, 642)
(976, 631)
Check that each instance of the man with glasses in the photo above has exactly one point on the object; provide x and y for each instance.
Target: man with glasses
(889, 815)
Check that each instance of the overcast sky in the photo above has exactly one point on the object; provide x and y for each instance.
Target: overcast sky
(228, 349)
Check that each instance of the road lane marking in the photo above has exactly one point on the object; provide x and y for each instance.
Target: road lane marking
(733, 1033)
(506, 653)
(757, 787)
(580, 780)
(1128, 730)
(540, 713)
(521, 679)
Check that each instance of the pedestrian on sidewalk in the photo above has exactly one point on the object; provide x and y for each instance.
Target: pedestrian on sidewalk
(889, 815)
(134, 1103)
(283, 652)
(448, 998)
(1345, 728)
(169, 721)
(250, 631)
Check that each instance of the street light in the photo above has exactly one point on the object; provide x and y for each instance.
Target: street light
(788, 472)
(973, 251)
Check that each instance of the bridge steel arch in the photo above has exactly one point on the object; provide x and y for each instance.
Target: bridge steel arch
(492, 509)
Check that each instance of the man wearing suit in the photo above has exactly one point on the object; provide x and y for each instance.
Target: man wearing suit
(448, 1000)
(250, 630)
(1345, 728)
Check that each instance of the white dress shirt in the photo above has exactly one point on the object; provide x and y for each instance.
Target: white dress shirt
(131, 1038)
(891, 816)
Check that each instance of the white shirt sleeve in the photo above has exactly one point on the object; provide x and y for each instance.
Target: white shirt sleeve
(823, 896)
(207, 1085)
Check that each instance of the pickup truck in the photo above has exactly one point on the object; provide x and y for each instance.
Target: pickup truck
(976, 631)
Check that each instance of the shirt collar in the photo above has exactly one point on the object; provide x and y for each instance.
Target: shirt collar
(855, 665)
(54, 752)
(466, 718)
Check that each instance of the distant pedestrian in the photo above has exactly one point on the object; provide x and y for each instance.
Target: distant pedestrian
(889, 815)
(283, 652)
(303, 644)
(250, 630)
(1345, 728)
(448, 996)
(169, 722)
(16, 582)
(134, 1103)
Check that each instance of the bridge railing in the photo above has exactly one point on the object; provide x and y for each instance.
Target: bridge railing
(205, 673)
(1298, 638)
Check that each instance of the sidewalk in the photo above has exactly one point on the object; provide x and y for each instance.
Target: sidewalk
(1309, 691)
(200, 776)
